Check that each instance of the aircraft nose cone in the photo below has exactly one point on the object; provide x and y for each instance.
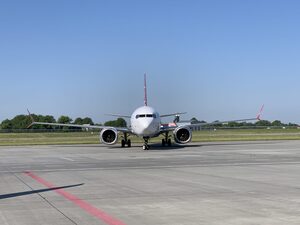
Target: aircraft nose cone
(146, 127)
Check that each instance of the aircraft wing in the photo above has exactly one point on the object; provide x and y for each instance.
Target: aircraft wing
(121, 129)
(230, 121)
(173, 126)
(220, 122)
(118, 115)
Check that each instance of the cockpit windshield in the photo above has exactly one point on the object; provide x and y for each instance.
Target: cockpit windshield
(145, 115)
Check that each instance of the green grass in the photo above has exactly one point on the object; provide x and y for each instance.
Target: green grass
(15, 139)
(12, 139)
(247, 135)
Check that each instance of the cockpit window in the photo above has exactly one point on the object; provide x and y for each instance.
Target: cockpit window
(145, 115)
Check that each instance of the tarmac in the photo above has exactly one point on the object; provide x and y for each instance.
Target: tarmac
(200, 183)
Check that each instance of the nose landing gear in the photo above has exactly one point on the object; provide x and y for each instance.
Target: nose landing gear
(146, 146)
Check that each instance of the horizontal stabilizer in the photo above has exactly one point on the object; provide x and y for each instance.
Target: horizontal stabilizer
(118, 115)
(172, 114)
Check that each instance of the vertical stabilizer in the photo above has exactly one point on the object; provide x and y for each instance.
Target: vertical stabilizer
(260, 112)
(145, 90)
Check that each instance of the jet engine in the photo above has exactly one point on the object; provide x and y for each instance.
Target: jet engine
(182, 134)
(109, 136)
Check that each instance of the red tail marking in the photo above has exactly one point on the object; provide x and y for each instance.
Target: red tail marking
(260, 112)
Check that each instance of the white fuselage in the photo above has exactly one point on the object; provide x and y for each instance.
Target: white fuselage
(145, 122)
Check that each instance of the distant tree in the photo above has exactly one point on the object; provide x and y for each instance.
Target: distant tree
(81, 121)
(78, 121)
(46, 119)
(292, 125)
(49, 119)
(87, 120)
(120, 122)
(6, 124)
(64, 120)
(277, 123)
(217, 124)
(233, 124)
(194, 120)
(20, 122)
(263, 123)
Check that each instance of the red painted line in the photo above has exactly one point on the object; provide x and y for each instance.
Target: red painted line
(79, 202)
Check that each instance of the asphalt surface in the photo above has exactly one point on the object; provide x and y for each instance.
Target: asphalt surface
(202, 183)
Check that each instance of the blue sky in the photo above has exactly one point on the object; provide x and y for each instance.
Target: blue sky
(213, 59)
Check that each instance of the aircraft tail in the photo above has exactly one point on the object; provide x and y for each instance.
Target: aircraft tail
(258, 117)
(145, 90)
(32, 119)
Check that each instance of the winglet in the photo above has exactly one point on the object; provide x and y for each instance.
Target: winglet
(258, 117)
(32, 119)
(145, 90)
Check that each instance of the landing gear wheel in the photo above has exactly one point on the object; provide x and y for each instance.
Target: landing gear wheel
(129, 143)
(123, 143)
(146, 146)
(163, 142)
(169, 142)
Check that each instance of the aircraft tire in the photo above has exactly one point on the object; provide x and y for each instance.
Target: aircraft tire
(123, 143)
(169, 142)
(129, 143)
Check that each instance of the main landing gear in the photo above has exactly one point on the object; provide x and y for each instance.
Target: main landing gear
(166, 140)
(125, 141)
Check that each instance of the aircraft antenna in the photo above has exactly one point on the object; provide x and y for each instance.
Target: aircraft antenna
(145, 90)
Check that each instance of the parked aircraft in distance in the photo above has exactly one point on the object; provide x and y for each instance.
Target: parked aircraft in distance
(146, 123)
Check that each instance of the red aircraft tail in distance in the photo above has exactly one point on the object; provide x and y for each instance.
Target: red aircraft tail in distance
(258, 117)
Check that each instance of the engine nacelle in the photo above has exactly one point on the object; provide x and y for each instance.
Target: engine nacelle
(109, 136)
(182, 135)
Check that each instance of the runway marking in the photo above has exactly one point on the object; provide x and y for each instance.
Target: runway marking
(103, 216)
(68, 159)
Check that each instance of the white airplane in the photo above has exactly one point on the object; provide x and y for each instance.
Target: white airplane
(145, 123)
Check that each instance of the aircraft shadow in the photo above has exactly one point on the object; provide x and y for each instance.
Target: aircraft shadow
(175, 146)
(167, 148)
(23, 193)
